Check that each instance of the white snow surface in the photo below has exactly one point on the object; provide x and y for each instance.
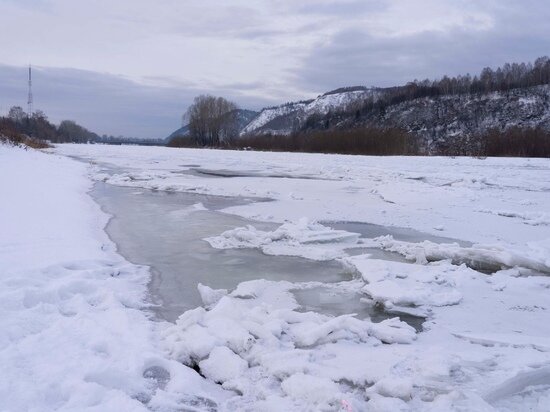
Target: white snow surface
(484, 345)
(302, 238)
(74, 335)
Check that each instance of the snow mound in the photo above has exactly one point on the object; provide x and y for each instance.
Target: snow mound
(223, 365)
(302, 238)
(210, 296)
(393, 388)
(536, 257)
(311, 389)
(537, 376)
(254, 342)
(402, 284)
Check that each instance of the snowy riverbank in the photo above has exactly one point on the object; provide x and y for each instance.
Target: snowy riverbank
(74, 335)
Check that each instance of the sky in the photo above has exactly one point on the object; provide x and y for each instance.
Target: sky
(132, 67)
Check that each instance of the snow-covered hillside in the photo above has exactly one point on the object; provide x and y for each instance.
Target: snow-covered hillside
(439, 122)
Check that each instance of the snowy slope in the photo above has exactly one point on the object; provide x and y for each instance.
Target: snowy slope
(288, 117)
(440, 122)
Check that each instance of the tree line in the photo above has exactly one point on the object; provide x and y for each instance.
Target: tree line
(509, 76)
(37, 126)
(513, 142)
(358, 141)
(22, 126)
(212, 121)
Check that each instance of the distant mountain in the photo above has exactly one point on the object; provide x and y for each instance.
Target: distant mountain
(244, 117)
(181, 132)
(449, 112)
(441, 113)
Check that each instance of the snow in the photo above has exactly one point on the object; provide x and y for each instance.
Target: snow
(315, 391)
(223, 365)
(269, 347)
(302, 238)
(73, 316)
(268, 114)
(394, 283)
(74, 335)
(393, 388)
(534, 256)
(415, 192)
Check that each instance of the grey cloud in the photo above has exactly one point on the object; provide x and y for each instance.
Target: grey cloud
(343, 8)
(354, 57)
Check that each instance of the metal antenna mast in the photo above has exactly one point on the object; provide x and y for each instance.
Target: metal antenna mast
(29, 101)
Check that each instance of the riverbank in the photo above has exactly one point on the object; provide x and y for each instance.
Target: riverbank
(74, 332)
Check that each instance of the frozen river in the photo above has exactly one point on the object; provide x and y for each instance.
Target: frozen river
(166, 232)
(295, 237)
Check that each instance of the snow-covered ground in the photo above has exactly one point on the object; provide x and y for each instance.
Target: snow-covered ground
(73, 303)
(73, 335)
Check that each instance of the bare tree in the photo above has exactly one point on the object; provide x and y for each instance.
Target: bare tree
(70, 131)
(17, 114)
(212, 120)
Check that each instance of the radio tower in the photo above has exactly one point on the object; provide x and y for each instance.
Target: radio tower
(29, 101)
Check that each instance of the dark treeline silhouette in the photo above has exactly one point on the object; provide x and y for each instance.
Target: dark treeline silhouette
(11, 135)
(212, 120)
(38, 127)
(514, 142)
(345, 90)
(33, 131)
(183, 141)
(123, 140)
(70, 131)
(19, 127)
(373, 141)
(509, 76)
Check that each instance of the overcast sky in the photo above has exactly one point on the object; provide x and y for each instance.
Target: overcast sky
(132, 67)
